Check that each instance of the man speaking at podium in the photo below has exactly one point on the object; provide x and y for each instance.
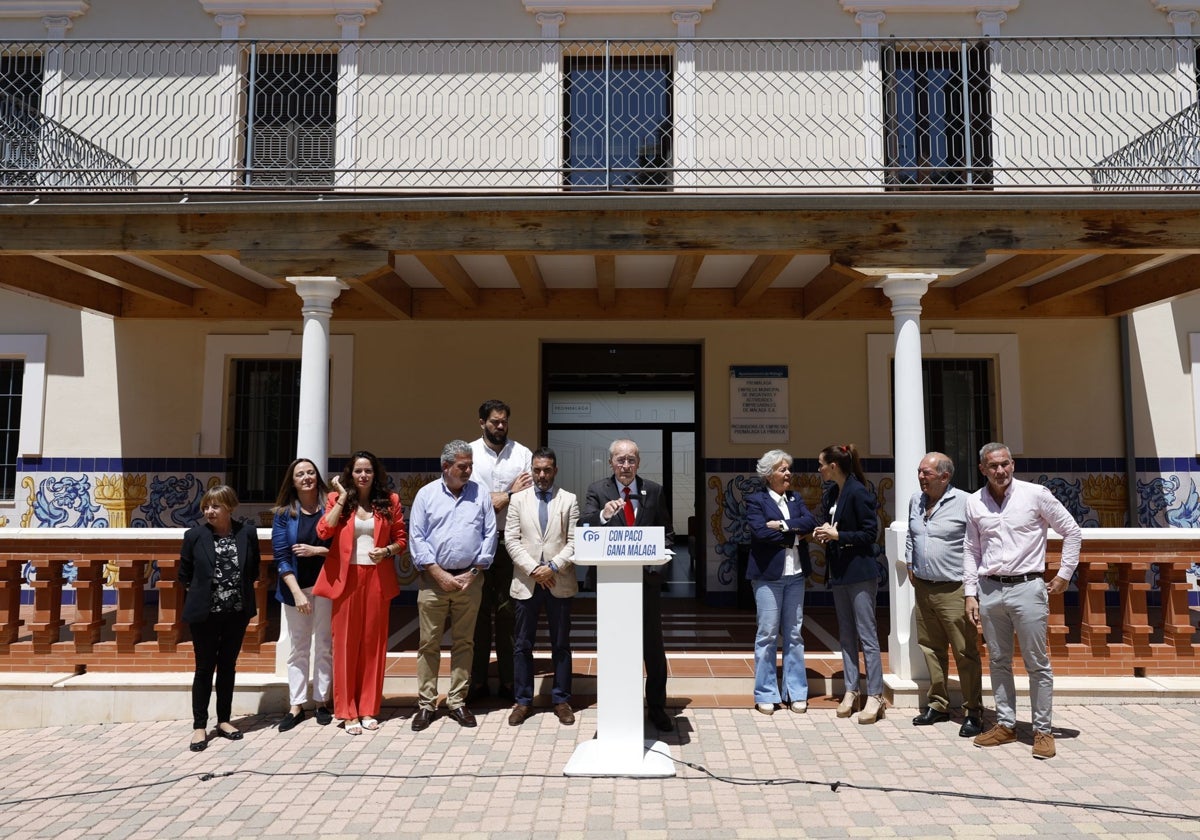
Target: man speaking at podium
(623, 500)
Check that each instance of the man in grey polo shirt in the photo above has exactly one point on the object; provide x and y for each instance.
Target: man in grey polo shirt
(937, 523)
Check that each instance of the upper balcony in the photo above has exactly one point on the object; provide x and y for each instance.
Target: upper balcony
(538, 117)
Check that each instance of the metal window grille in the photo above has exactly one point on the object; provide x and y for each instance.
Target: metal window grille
(12, 373)
(20, 128)
(264, 412)
(960, 415)
(292, 122)
(938, 127)
(618, 122)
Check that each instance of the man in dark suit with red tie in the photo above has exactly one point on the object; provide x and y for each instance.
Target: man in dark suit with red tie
(626, 499)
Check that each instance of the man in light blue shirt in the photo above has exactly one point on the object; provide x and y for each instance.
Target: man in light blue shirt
(937, 524)
(452, 539)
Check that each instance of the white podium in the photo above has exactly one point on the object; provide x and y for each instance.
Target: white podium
(619, 748)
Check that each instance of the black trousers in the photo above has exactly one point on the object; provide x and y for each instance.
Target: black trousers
(216, 641)
(654, 653)
(496, 610)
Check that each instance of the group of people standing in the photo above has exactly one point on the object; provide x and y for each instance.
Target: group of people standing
(492, 542)
(976, 563)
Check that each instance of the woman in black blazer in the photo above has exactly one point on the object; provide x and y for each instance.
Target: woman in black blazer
(849, 534)
(218, 565)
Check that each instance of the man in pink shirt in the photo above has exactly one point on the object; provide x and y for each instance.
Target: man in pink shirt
(1004, 586)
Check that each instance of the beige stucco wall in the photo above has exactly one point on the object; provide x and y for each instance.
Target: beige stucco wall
(1164, 417)
(134, 388)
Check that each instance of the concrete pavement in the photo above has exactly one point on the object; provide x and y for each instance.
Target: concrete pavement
(497, 781)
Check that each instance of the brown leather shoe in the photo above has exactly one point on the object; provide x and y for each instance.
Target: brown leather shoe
(464, 717)
(518, 714)
(997, 736)
(422, 719)
(565, 716)
(1043, 745)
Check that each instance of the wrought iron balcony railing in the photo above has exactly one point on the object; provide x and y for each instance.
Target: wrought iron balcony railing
(803, 115)
(38, 153)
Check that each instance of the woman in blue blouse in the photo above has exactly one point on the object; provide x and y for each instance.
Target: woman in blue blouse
(848, 535)
(299, 555)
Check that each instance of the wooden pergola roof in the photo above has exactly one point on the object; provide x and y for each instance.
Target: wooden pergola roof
(814, 257)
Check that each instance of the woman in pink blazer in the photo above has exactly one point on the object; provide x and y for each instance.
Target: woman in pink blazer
(365, 525)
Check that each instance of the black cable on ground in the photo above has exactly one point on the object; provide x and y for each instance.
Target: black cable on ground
(834, 786)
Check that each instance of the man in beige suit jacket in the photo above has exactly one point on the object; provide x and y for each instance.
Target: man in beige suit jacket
(543, 554)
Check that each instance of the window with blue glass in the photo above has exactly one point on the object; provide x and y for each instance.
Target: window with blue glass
(617, 122)
(12, 379)
(938, 126)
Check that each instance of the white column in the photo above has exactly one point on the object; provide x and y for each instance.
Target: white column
(871, 89)
(550, 163)
(347, 101)
(905, 292)
(1185, 55)
(229, 76)
(318, 294)
(312, 439)
(685, 99)
(990, 20)
(51, 104)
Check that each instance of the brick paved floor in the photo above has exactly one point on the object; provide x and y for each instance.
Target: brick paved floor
(497, 781)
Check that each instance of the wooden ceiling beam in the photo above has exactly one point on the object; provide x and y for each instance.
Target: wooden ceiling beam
(759, 277)
(1017, 269)
(449, 272)
(683, 277)
(1174, 280)
(60, 284)
(125, 275)
(208, 275)
(1102, 271)
(606, 280)
(529, 277)
(832, 285)
(387, 290)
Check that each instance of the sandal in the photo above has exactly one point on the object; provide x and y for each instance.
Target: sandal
(370, 723)
(354, 728)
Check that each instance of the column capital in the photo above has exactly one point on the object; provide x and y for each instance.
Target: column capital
(685, 23)
(230, 25)
(57, 25)
(350, 25)
(990, 20)
(550, 22)
(870, 21)
(1183, 21)
(906, 288)
(318, 293)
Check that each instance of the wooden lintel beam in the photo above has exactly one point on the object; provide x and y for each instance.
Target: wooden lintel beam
(1178, 278)
(59, 284)
(606, 280)
(125, 275)
(387, 290)
(1102, 271)
(208, 275)
(1012, 272)
(449, 272)
(759, 277)
(834, 284)
(529, 277)
(683, 277)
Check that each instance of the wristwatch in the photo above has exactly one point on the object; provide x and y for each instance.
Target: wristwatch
(474, 570)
